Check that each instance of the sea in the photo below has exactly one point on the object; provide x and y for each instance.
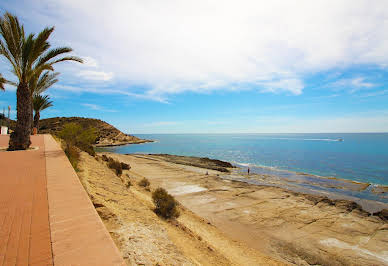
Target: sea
(361, 157)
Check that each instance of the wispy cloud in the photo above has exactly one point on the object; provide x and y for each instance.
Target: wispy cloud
(351, 85)
(95, 75)
(90, 62)
(294, 86)
(161, 124)
(97, 107)
(374, 94)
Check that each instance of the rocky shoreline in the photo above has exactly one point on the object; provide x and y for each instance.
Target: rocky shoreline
(295, 227)
(120, 143)
(202, 162)
(235, 173)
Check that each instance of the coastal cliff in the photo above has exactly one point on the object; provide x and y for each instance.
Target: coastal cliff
(107, 135)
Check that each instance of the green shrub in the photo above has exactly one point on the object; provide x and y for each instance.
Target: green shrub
(144, 182)
(165, 204)
(75, 135)
(125, 166)
(73, 155)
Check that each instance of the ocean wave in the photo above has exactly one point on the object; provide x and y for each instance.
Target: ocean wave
(278, 172)
(274, 168)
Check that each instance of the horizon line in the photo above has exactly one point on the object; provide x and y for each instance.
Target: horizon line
(251, 133)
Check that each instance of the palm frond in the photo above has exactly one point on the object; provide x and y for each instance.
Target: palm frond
(13, 39)
(3, 81)
(68, 58)
(27, 49)
(52, 54)
(41, 102)
(12, 34)
(46, 80)
(7, 54)
(41, 44)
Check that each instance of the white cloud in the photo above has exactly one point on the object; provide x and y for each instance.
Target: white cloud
(95, 75)
(89, 61)
(295, 86)
(352, 85)
(92, 106)
(97, 107)
(174, 46)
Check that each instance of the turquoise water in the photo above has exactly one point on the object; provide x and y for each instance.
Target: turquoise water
(359, 157)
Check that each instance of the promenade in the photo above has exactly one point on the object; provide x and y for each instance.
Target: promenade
(46, 217)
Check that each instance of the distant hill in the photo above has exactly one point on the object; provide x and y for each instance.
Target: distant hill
(107, 134)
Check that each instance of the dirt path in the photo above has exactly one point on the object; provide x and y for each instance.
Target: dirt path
(290, 226)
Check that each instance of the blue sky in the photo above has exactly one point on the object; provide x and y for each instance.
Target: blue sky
(217, 66)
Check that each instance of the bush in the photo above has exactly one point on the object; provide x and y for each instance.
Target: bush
(144, 183)
(75, 135)
(125, 166)
(87, 148)
(73, 155)
(104, 158)
(165, 204)
(115, 165)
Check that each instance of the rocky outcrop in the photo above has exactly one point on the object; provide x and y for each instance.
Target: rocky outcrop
(107, 135)
(203, 162)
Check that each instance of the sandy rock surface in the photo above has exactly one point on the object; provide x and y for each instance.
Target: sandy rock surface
(292, 227)
(144, 238)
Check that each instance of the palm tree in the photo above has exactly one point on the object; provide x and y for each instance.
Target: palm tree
(40, 102)
(37, 87)
(29, 56)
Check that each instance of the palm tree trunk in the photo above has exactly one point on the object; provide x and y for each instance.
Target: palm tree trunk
(20, 138)
(36, 120)
(32, 114)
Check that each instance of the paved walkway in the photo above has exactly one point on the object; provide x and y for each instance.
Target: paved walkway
(46, 217)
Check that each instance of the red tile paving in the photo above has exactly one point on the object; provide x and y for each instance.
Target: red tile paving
(25, 230)
(46, 217)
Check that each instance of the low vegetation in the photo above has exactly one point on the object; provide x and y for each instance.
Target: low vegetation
(76, 138)
(73, 155)
(165, 204)
(144, 182)
(125, 166)
(115, 165)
